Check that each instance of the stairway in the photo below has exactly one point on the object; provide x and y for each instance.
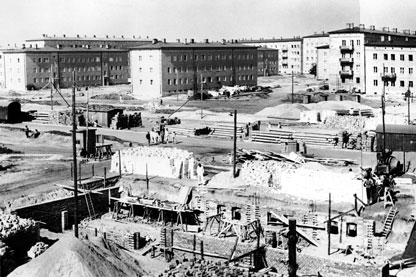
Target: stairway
(389, 222)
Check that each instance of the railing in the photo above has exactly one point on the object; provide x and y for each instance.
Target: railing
(346, 60)
(388, 76)
(346, 48)
(346, 72)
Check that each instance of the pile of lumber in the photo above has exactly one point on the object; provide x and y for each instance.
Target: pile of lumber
(181, 131)
(226, 131)
(272, 136)
(316, 139)
(41, 117)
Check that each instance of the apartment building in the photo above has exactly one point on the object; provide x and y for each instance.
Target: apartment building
(309, 49)
(290, 52)
(267, 61)
(92, 42)
(348, 54)
(162, 68)
(322, 70)
(34, 67)
(392, 63)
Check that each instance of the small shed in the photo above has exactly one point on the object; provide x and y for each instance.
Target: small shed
(102, 115)
(10, 111)
(398, 137)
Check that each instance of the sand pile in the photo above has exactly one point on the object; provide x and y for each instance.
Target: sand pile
(284, 111)
(73, 257)
(336, 105)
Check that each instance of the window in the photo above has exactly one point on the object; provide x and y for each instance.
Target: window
(351, 229)
(97, 59)
(375, 83)
(386, 69)
(111, 59)
(402, 83)
(174, 58)
(196, 57)
(203, 57)
(393, 83)
(386, 57)
(392, 57)
(140, 58)
(35, 80)
(401, 70)
(35, 70)
(357, 80)
(401, 57)
(185, 57)
(344, 42)
(410, 70)
(151, 82)
(375, 69)
(358, 54)
(410, 84)
(410, 58)
(140, 82)
(235, 213)
(374, 56)
(174, 81)
(358, 42)
(151, 69)
(393, 70)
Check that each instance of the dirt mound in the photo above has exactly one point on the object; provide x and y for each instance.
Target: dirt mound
(336, 105)
(283, 110)
(73, 257)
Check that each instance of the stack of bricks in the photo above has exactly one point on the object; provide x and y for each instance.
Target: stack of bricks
(204, 268)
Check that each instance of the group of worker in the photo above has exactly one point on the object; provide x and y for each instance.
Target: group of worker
(30, 134)
(378, 188)
(161, 136)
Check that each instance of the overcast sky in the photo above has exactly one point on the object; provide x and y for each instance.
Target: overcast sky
(199, 19)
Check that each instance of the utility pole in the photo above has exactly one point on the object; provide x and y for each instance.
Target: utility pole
(292, 240)
(74, 154)
(329, 225)
(202, 87)
(292, 87)
(86, 121)
(177, 89)
(383, 108)
(51, 85)
(235, 145)
(408, 105)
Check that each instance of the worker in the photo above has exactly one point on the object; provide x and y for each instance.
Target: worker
(200, 174)
(36, 134)
(148, 138)
(173, 137)
(28, 132)
(345, 138)
(368, 183)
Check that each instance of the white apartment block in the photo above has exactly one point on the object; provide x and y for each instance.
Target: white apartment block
(393, 63)
(309, 50)
(14, 71)
(290, 52)
(322, 70)
(350, 65)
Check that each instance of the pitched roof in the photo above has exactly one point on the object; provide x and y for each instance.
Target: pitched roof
(62, 50)
(195, 45)
(90, 39)
(317, 35)
(297, 39)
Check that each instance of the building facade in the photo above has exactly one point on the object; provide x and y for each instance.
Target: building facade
(347, 58)
(162, 69)
(267, 61)
(290, 52)
(34, 68)
(309, 50)
(322, 70)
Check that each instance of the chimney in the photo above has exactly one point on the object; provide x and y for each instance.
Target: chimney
(106, 36)
(44, 35)
(23, 46)
(36, 46)
(236, 41)
(192, 40)
(114, 36)
(54, 35)
(122, 36)
(64, 35)
(94, 36)
(154, 41)
(407, 31)
(350, 25)
(385, 29)
(30, 45)
(186, 41)
(164, 40)
(362, 26)
(134, 37)
(178, 41)
(223, 41)
(77, 36)
(372, 27)
(206, 40)
(394, 30)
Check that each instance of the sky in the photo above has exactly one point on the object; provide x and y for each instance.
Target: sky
(198, 19)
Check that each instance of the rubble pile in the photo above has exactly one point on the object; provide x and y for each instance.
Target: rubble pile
(351, 123)
(264, 173)
(197, 267)
(37, 249)
(155, 161)
(11, 225)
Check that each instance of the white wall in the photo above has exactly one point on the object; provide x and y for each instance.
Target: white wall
(15, 71)
(146, 73)
(310, 53)
(322, 71)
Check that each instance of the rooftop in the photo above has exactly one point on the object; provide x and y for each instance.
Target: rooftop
(270, 40)
(85, 38)
(317, 35)
(191, 45)
(61, 50)
(372, 30)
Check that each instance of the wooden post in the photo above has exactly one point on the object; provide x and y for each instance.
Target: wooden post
(74, 154)
(329, 225)
(119, 163)
(292, 247)
(109, 200)
(202, 250)
(235, 144)
(147, 180)
(340, 229)
(105, 177)
(72, 171)
(355, 203)
(80, 175)
(171, 244)
(257, 265)
(95, 232)
(64, 220)
(194, 246)
(92, 170)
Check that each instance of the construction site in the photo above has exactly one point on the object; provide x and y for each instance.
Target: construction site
(269, 182)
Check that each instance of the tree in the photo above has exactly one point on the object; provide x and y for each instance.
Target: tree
(313, 70)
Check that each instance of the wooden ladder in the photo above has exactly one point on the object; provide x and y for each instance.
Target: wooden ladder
(90, 206)
(388, 222)
(369, 237)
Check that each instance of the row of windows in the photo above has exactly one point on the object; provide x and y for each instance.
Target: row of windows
(393, 57)
(87, 59)
(393, 70)
(344, 42)
(206, 57)
(393, 84)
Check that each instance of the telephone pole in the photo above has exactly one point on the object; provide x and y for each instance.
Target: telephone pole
(292, 87)
(74, 155)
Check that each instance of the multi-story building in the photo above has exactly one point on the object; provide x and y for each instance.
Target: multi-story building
(161, 69)
(92, 42)
(35, 67)
(290, 52)
(391, 63)
(322, 71)
(309, 50)
(267, 61)
(348, 54)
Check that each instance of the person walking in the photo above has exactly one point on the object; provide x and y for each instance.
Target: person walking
(173, 137)
(28, 132)
(148, 138)
(200, 174)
